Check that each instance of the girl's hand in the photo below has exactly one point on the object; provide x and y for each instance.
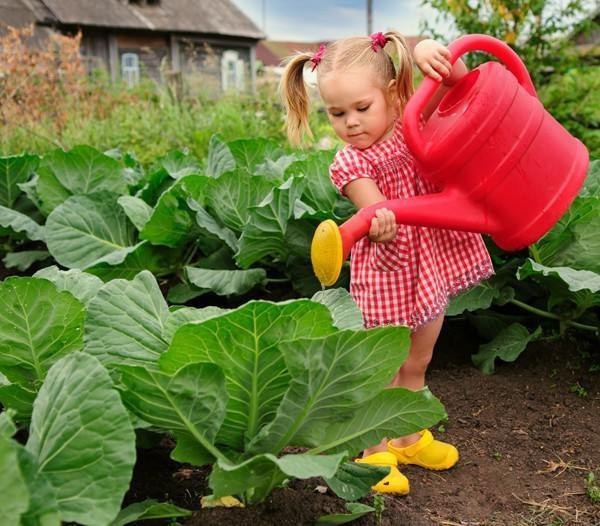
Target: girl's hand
(433, 59)
(383, 226)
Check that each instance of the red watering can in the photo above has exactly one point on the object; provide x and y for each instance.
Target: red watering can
(506, 167)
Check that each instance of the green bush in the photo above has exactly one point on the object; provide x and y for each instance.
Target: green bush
(574, 100)
(534, 29)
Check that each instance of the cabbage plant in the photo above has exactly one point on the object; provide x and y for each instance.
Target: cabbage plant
(237, 387)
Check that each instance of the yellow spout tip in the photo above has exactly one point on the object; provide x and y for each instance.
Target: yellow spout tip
(327, 253)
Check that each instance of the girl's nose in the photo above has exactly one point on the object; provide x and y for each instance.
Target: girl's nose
(352, 121)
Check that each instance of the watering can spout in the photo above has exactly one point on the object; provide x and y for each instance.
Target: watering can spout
(331, 244)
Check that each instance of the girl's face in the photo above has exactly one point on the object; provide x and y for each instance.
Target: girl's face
(360, 110)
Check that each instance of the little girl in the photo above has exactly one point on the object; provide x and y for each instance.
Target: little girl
(400, 275)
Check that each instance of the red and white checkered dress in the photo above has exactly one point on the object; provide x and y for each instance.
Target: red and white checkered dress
(409, 280)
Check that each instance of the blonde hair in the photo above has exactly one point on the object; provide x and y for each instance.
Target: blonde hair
(343, 54)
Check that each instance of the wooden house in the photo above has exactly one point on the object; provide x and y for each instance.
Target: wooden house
(211, 40)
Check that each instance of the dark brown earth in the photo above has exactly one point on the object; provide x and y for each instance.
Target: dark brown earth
(528, 437)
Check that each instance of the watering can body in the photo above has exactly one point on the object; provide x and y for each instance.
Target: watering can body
(492, 143)
(504, 165)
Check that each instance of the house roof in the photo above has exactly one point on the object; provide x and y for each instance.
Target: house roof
(220, 17)
(273, 52)
(15, 13)
(19, 13)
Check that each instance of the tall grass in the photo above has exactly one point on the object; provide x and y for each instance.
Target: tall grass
(42, 108)
(148, 122)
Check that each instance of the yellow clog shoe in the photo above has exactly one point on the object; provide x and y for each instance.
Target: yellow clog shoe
(426, 452)
(394, 483)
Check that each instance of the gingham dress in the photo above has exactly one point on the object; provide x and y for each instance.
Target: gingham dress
(409, 280)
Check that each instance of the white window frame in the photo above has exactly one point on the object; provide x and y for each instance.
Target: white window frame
(233, 71)
(130, 69)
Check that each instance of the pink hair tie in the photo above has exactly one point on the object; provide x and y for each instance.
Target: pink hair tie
(316, 58)
(378, 40)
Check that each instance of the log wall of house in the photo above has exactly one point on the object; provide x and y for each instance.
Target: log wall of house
(198, 60)
(201, 62)
(94, 48)
(151, 50)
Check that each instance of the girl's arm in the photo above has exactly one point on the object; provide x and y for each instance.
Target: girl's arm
(433, 59)
(365, 192)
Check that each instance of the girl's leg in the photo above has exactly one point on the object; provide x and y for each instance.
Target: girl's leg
(412, 373)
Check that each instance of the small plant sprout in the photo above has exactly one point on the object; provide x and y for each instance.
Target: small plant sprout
(379, 505)
(592, 489)
(579, 390)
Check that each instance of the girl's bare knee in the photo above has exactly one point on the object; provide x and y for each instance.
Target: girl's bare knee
(417, 363)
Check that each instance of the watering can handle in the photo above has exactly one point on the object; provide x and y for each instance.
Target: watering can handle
(428, 87)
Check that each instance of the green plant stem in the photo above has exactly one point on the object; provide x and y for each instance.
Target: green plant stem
(550, 315)
(190, 255)
(277, 280)
(535, 254)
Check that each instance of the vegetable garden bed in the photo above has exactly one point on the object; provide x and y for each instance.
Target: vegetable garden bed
(528, 436)
(189, 312)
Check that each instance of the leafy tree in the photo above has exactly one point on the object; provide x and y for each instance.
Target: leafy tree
(538, 30)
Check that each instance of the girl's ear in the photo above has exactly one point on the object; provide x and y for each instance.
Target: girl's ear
(392, 96)
(392, 91)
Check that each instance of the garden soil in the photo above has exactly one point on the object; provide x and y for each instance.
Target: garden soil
(528, 437)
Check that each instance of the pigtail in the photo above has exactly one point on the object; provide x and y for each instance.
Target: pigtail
(404, 74)
(292, 89)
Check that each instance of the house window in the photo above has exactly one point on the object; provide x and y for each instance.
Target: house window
(130, 68)
(232, 71)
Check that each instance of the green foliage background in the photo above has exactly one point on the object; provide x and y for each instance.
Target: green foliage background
(573, 99)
